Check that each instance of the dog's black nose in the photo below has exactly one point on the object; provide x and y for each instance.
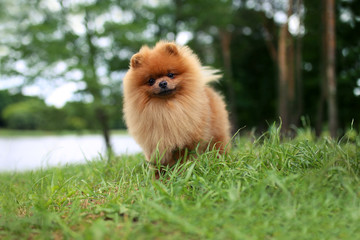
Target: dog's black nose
(163, 84)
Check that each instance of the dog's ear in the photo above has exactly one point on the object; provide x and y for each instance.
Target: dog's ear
(171, 48)
(135, 61)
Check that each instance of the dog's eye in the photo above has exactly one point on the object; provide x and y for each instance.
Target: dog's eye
(171, 75)
(151, 81)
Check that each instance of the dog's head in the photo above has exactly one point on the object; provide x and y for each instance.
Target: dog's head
(163, 71)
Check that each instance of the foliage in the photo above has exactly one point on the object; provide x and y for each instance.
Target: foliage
(348, 64)
(94, 52)
(6, 98)
(23, 115)
(32, 114)
(26, 113)
(264, 188)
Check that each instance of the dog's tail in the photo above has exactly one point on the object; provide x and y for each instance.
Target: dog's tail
(210, 74)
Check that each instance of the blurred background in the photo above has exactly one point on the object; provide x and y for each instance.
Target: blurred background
(62, 62)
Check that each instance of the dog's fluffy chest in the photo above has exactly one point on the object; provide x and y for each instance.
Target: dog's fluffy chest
(174, 125)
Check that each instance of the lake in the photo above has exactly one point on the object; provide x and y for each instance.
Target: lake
(26, 153)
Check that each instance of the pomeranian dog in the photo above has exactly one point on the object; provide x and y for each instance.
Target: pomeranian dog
(168, 107)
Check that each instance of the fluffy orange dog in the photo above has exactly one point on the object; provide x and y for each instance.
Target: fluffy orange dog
(168, 106)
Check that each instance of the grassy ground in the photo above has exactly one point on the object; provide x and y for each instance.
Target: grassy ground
(263, 189)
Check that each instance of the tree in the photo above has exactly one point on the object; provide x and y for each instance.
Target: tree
(285, 63)
(287, 55)
(328, 87)
(348, 62)
(330, 47)
(221, 24)
(267, 68)
(87, 51)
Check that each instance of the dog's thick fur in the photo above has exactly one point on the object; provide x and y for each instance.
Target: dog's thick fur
(183, 115)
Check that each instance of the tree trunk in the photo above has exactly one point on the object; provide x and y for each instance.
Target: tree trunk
(103, 119)
(323, 82)
(225, 37)
(328, 76)
(290, 78)
(286, 83)
(94, 87)
(282, 81)
(91, 79)
(330, 67)
(298, 69)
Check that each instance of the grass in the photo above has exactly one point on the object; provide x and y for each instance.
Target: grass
(265, 188)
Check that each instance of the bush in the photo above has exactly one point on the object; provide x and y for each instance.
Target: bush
(24, 115)
(75, 123)
(33, 114)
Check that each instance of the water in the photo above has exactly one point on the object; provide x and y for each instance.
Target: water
(25, 153)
